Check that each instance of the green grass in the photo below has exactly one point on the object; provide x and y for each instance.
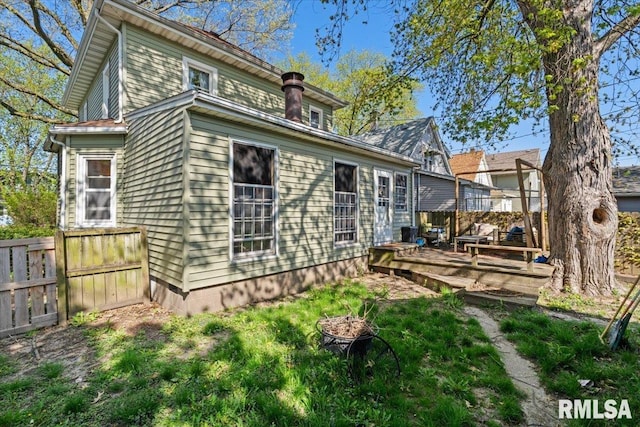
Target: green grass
(568, 351)
(263, 366)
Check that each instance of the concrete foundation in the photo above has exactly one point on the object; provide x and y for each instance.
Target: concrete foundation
(246, 292)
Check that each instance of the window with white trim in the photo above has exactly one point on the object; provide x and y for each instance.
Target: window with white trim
(401, 188)
(315, 117)
(254, 200)
(345, 203)
(105, 92)
(96, 190)
(200, 76)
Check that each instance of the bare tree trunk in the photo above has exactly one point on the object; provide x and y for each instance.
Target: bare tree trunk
(577, 169)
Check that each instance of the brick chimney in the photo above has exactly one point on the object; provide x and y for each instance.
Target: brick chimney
(292, 88)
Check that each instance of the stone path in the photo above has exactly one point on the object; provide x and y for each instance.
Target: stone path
(539, 408)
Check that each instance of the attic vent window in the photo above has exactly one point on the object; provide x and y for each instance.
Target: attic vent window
(200, 76)
(315, 117)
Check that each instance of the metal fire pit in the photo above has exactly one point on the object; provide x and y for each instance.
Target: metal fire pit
(367, 355)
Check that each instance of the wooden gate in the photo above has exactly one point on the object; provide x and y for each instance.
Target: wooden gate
(101, 269)
(27, 285)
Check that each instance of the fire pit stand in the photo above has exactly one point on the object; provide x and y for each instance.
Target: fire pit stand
(368, 355)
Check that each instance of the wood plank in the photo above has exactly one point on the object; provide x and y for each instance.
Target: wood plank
(6, 311)
(20, 296)
(61, 278)
(99, 291)
(50, 273)
(26, 284)
(26, 242)
(88, 271)
(144, 263)
(111, 291)
(36, 271)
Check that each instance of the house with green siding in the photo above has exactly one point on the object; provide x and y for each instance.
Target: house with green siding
(229, 163)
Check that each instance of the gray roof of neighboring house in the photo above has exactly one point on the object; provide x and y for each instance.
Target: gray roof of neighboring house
(404, 138)
(626, 180)
(507, 160)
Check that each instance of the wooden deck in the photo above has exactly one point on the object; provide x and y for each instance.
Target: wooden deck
(435, 268)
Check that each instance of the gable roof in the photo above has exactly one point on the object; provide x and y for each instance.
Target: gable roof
(404, 138)
(107, 15)
(466, 162)
(507, 160)
(626, 180)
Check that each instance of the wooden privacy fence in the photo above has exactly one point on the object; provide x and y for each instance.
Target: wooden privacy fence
(27, 285)
(101, 269)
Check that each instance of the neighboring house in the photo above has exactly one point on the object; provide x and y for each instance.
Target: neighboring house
(505, 179)
(244, 191)
(626, 188)
(419, 139)
(475, 184)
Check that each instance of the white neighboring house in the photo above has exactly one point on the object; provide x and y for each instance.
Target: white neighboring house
(475, 184)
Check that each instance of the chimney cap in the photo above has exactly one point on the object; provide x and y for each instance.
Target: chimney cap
(292, 78)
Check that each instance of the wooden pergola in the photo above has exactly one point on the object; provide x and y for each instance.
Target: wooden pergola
(531, 241)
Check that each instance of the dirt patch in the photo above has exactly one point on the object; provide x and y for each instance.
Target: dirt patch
(69, 346)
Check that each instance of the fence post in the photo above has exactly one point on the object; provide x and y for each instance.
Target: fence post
(61, 268)
(144, 260)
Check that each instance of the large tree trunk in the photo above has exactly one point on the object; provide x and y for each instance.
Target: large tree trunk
(577, 174)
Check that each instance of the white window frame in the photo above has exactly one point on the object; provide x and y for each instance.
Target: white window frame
(313, 109)
(356, 239)
(81, 193)
(188, 63)
(396, 194)
(104, 107)
(257, 255)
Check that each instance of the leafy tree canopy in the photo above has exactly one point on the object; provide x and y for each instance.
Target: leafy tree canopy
(377, 96)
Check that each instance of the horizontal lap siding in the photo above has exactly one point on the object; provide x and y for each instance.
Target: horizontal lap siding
(92, 144)
(154, 73)
(153, 194)
(435, 194)
(305, 205)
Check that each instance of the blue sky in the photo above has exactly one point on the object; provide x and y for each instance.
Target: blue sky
(374, 36)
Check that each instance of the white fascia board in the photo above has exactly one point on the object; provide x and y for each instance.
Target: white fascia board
(87, 35)
(87, 130)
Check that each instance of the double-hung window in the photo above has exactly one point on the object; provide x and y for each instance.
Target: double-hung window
(200, 76)
(345, 203)
(254, 200)
(96, 190)
(401, 193)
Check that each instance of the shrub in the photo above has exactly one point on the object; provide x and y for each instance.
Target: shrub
(33, 206)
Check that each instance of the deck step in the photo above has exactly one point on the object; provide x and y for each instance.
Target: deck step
(437, 281)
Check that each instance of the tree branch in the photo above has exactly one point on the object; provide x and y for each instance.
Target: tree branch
(17, 113)
(29, 53)
(55, 48)
(64, 29)
(26, 91)
(82, 12)
(615, 33)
